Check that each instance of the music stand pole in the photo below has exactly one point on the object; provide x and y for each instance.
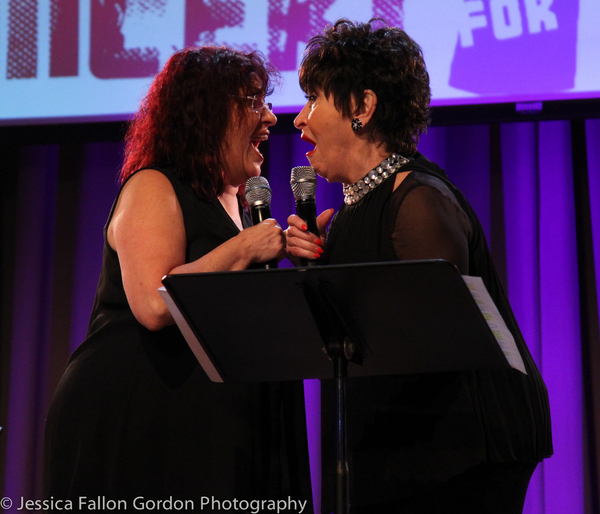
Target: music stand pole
(340, 367)
(342, 504)
(344, 343)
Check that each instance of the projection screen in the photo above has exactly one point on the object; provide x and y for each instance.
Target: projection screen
(75, 60)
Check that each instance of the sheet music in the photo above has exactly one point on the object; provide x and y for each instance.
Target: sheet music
(494, 320)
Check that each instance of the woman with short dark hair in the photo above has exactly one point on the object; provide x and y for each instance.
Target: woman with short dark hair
(460, 442)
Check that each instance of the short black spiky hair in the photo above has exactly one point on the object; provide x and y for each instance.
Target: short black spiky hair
(348, 58)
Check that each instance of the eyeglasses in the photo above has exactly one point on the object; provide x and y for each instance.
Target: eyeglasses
(258, 103)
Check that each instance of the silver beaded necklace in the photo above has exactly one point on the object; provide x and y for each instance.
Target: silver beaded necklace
(385, 169)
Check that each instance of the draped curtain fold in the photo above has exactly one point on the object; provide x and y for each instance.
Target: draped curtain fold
(534, 185)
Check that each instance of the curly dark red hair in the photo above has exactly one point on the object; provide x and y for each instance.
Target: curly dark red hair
(183, 119)
(348, 58)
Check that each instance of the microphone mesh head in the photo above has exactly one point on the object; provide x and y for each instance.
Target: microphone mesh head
(303, 182)
(258, 191)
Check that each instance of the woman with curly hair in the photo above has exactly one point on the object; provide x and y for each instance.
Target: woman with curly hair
(134, 415)
(460, 442)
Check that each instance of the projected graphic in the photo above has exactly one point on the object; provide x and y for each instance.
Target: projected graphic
(508, 47)
(142, 34)
(96, 58)
(22, 40)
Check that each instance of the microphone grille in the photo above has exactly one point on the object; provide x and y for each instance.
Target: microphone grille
(303, 182)
(258, 191)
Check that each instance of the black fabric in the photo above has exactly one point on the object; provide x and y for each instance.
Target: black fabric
(411, 433)
(488, 488)
(135, 415)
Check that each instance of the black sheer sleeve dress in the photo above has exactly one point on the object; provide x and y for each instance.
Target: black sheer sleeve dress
(409, 434)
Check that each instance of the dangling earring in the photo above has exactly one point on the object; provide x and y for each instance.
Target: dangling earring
(356, 125)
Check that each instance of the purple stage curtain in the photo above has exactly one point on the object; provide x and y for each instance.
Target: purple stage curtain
(534, 185)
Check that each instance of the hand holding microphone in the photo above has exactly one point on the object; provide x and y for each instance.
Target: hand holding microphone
(258, 195)
(304, 186)
(303, 236)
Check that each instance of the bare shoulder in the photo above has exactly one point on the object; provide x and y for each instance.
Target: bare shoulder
(147, 197)
(146, 190)
(147, 184)
(400, 178)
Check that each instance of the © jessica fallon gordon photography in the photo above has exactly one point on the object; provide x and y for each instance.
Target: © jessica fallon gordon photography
(141, 504)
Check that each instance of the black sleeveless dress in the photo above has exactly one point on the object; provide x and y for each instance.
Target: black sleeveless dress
(135, 415)
(411, 433)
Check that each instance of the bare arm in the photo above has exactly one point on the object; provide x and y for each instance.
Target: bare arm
(147, 232)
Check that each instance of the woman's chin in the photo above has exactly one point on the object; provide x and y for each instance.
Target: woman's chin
(255, 171)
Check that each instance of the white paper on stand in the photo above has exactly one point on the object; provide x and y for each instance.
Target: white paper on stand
(494, 319)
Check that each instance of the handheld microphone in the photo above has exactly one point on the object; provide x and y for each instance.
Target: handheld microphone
(304, 186)
(258, 195)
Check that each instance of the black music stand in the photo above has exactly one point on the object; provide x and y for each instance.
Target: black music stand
(324, 322)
